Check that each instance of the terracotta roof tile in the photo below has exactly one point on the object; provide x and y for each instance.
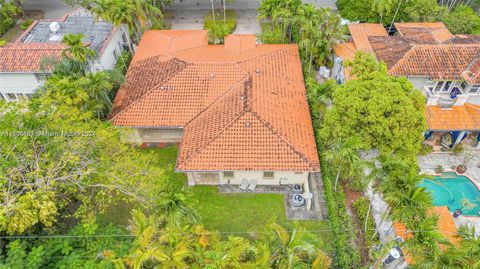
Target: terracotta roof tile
(242, 108)
(424, 32)
(361, 31)
(446, 226)
(456, 118)
(20, 57)
(390, 49)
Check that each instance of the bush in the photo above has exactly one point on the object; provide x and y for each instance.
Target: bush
(123, 62)
(346, 255)
(272, 35)
(426, 149)
(8, 14)
(360, 207)
(219, 28)
(25, 24)
(2, 42)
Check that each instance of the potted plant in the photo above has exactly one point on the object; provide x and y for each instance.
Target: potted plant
(439, 169)
(461, 168)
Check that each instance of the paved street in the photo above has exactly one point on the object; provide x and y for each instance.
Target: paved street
(54, 9)
(238, 4)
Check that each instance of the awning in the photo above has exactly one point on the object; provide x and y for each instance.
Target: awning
(455, 118)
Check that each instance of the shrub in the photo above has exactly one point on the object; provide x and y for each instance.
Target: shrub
(2, 42)
(360, 207)
(346, 255)
(25, 24)
(8, 14)
(219, 28)
(426, 149)
(457, 149)
(123, 61)
(272, 35)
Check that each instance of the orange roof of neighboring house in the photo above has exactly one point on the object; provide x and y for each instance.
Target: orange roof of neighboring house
(27, 57)
(446, 227)
(420, 49)
(361, 31)
(242, 106)
(455, 118)
(424, 32)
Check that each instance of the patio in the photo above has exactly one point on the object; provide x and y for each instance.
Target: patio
(317, 210)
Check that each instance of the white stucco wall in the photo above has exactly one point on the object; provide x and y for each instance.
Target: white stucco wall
(18, 83)
(279, 177)
(107, 59)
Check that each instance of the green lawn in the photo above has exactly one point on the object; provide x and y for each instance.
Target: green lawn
(242, 214)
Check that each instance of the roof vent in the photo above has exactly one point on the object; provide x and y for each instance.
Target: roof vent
(54, 27)
(257, 71)
(248, 124)
(212, 75)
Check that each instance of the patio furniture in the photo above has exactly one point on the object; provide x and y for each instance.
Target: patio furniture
(244, 184)
(253, 185)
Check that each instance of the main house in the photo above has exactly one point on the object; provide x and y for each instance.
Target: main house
(238, 111)
(21, 70)
(445, 67)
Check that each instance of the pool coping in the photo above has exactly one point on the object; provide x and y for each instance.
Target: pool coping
(454, 171)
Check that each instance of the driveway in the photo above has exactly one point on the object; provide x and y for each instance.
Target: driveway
(53, 9)
(188, 19)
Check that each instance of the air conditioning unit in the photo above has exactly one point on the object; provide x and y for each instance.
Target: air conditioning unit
(298, 200)
(297, 189)
(54, 27)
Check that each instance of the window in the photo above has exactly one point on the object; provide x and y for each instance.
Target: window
(124, 38)
(41, 76)
(446, 87)
(115, 55)
(228, 174)
(1, 97)
(474, 89)
(438, 87)
(12, 96)
(268, 175)
(463, 86)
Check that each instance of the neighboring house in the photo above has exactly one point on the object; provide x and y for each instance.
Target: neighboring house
(445, 67)
(446, 226)
(239, 110)
(21, 71)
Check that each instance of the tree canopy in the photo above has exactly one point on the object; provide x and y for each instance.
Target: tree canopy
(383, 111)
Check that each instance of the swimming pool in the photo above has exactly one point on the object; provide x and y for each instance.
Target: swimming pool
(454, 191)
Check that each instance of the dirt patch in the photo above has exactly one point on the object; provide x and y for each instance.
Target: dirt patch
(15, 32)
(351, 196)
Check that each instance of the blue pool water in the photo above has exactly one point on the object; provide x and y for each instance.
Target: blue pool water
(451, 189)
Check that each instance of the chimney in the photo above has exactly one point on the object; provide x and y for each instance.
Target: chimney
(240, 43)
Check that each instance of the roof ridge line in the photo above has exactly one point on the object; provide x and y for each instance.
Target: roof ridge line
(475, 60)
(274, 131)
(216, 100)
(403, 58)
(212, 139)
(151, 90)
(260, 56)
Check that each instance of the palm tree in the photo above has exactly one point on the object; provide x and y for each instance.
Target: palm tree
(409, 204)
(383, 7)
(76, 49)
(118, 12)
(291, 250)
(345, 156)
(173, 207)
(469, 246)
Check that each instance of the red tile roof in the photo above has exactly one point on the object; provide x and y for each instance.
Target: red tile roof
(242, 106)
(27, 57)
(456, 118)
(420, 49)
(446, 227)
(361, 31)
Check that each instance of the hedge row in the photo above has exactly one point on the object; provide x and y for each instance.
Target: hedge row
(9, 13)
(360, 207)
(342, 232)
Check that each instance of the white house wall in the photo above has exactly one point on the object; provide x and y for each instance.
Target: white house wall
(18, 83)
(107, 58)
(279, 177)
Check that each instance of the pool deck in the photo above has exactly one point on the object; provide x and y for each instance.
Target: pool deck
(428, 163)
(471, 158)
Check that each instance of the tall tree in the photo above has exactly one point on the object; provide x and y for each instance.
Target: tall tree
(76, 49)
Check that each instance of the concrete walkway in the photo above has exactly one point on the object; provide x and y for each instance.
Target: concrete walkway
(247, 22)
(188, 19)
(53, 9)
